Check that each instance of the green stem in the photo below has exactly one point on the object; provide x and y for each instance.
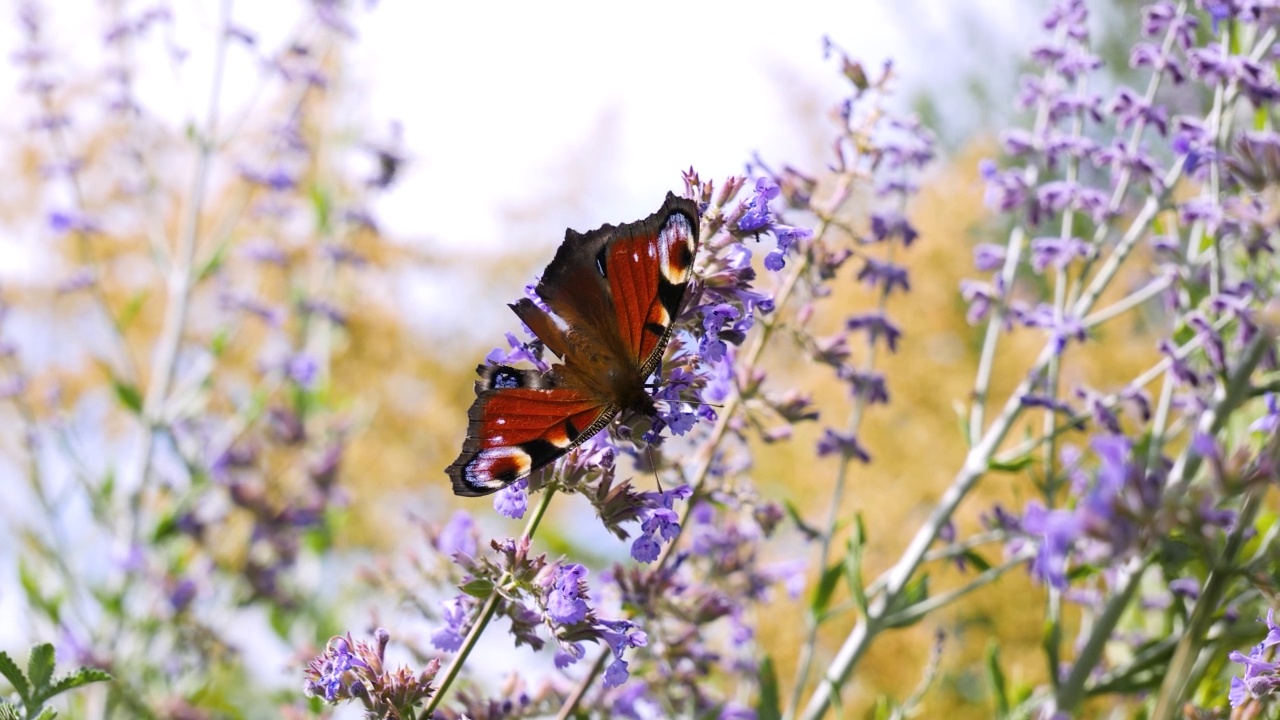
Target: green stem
(485, 615)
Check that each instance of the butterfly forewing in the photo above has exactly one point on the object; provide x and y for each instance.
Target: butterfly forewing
(648, 266)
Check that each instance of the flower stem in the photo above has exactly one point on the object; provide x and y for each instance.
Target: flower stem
(485, 615)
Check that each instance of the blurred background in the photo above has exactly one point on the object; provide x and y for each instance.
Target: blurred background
(505, 123)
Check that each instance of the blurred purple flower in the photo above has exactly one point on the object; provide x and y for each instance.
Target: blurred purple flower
(1261, 676)
(833, 442)
(302, 369)
(1057, 531)
(518, 352)
(1268, 424)
(877, 325)
(449, 638)
(458, 536)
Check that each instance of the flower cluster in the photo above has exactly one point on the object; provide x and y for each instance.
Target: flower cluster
(1261, 671)
(1090, 180)
(208, 451)
(356, 670)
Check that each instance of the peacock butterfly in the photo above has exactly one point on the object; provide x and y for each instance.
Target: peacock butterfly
(611, 297)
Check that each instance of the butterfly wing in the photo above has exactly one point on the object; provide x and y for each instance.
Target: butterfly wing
(519, 423)
(620, 286)
(648, 264)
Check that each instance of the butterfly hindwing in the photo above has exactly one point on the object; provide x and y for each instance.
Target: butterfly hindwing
(519, 423)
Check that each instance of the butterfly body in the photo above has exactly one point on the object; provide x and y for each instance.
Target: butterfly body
(609, 300)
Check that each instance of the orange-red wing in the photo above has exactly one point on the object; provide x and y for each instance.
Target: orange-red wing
(625, 281)
(648, 267)
(516, 430)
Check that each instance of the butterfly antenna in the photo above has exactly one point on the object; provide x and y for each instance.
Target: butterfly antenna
(654, 465)
(699, 402)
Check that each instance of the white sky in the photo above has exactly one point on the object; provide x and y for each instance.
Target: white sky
(524, 118)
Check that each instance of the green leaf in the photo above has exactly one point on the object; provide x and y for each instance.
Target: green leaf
(214, 262)
(809, 532)
(916, 591)
(323, 207)
(79, 678)
(128, 395)
(107, 488)
(769, 705)
(8, 712)
(31, 586)
(826, 587)
(478, 587)
(10, 670)
(281, 621)
(977, 561)
(131, 308)
(1010, 466)
(167, 527)
(40, 666)
(995, 678)
(218, 344)
(47, 714)
(853, 564)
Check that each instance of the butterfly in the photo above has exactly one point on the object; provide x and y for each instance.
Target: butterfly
(609, 300)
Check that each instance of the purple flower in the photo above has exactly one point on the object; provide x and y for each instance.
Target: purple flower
(449, 638)
(1006, 190)
(786, 236)
(181, 593)
(302, 370)
(1058, 195)
(568, 655)
(1058, 252)
(1057, 531)
(512, 500)
(988, 256)
(714, 320)
(616, 673)
(888, 225)
(1268, 423)
(980, 297)
(756, 215)
(877, 325)
(658, 519)
(645, 549)
(1129, 108)
(620, 635)
(1261, 677)
(458, 536)
(773, 262)
(518, 352)
(679, 419)
(1185, 587)
(336, 662)
(62, 221)
(1152, 56)
(564, 602)
(1061, 328)
(847, 444)
(886, 274)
